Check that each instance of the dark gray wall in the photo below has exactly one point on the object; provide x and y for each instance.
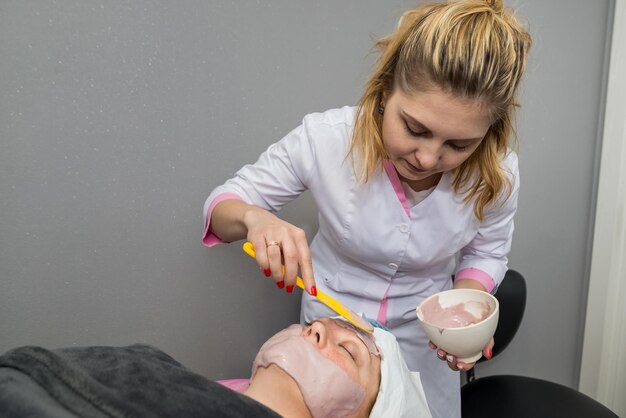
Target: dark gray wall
(117, 119)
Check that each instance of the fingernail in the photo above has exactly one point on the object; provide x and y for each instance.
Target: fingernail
(449, 358)
(280, 284)
(440, 354)
(289, 289)
(314, 290)
(489, 354)
(267, 272)
(459, 366)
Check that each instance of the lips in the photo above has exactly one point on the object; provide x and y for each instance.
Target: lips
(414, 169)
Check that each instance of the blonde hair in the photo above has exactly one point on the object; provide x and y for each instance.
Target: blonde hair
(471, 48)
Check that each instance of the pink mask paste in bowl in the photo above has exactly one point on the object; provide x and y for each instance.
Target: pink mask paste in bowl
(326, 388)
(454, 316)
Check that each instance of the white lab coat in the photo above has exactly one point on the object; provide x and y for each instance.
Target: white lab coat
(372, 252)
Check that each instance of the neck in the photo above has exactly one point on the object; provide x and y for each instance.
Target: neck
(275, 389)
(419, 185)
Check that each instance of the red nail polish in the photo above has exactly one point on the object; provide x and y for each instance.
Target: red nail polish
(313, 290)
(280, 284)
(289, 289)
(267, 272)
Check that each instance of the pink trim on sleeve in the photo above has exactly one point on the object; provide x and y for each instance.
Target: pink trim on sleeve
(397, 185)
(238, 385)
(209, 238)
(476, 275)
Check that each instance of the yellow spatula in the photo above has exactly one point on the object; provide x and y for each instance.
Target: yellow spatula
(327, 300)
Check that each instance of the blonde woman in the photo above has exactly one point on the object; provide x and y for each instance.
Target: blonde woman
(415, 184)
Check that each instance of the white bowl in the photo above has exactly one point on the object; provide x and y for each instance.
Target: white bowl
(464, 342)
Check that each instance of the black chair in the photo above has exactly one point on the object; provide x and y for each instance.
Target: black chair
(508, 396)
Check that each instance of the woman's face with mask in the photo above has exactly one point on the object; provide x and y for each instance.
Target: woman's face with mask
(336, 366)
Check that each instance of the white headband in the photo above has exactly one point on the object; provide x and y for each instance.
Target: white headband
(400, 394)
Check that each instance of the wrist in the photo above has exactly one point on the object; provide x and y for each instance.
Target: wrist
(468, 283)
(251, 216)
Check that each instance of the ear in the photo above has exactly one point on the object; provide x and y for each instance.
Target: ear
(383, 98)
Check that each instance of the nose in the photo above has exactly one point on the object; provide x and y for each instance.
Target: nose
(316, 334)
(427, 156)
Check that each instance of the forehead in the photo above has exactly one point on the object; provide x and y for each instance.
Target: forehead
(431, 88)
(450, 115)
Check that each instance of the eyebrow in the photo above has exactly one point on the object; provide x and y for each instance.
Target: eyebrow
(415, 121)
(420, 125)
(348, 325)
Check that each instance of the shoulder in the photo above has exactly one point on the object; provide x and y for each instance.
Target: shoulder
(332, 118)
(330, 131)
(510, 159)
(509, 164)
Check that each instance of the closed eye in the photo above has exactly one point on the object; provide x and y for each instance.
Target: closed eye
(412, 132)
(459, 148)
(349, 353)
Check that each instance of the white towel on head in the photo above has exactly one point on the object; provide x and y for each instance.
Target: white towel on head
(400, 394)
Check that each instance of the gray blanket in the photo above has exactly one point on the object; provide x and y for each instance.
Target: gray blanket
(94, 382)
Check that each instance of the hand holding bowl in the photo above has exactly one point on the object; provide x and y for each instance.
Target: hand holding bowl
(460, 321)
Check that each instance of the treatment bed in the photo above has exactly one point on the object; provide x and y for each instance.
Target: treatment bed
(94, 382)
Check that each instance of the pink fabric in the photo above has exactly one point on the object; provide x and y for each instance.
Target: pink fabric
(238, 385)
(382, 311)
(209, 238)
(477, 275)
(397, 185)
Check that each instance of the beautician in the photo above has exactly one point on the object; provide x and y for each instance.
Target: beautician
(415, 184)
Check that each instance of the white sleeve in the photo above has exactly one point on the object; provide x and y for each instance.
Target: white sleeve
(280, 175)
(485, 258)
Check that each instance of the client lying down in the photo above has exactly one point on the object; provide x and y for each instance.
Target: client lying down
(326, 369)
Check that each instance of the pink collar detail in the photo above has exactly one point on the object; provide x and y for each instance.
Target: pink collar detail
(397, 185)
